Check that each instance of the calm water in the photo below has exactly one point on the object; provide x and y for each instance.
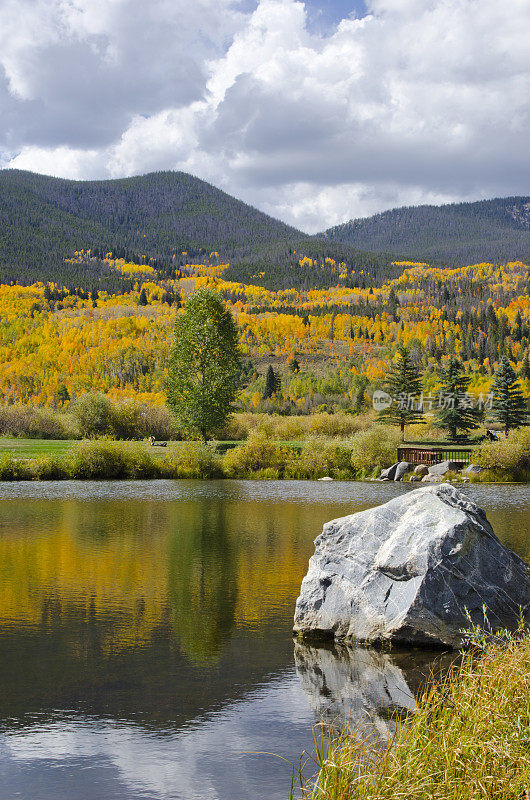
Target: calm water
(145, 636)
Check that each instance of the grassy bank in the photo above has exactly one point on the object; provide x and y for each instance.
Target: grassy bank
(470, 739)
(358, 456)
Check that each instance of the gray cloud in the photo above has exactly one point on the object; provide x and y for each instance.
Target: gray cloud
(416, 102)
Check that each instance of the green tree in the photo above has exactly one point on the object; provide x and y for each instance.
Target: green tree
(403, 384)
(142, 300)
(509, 406)
(525, 367)
(93, 412)
(204, 364)
(455, 411)
(271, 383)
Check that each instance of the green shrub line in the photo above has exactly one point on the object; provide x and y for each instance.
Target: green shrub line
(357, 457)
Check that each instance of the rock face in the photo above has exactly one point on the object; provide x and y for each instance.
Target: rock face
(421, 469)
(402, 469)
(444, 466)
(407, 571)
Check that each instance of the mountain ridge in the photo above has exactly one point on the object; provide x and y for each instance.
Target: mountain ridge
(169, 217)
(456, 233)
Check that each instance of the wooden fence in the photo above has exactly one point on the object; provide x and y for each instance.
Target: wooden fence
(433, 455)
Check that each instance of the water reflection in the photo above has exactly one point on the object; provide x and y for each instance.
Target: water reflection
(202, 582)
(145, 636)
(364, 687)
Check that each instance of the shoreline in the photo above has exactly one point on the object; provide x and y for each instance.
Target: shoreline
(257, 458)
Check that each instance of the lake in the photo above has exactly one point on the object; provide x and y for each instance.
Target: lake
(145, 636)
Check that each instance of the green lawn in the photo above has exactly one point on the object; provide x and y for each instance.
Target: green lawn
(29, 448)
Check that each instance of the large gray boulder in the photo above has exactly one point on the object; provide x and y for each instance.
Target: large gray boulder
(402, 469)
(407, 571)
(473, 469)
(421, 469)
(444, 466)
(390, 472)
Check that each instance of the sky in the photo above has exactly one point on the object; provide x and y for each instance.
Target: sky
(315, 112)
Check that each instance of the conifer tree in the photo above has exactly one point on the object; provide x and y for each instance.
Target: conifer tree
(509, 406)
(455, 411)
(525, 367)
(404, 386)
(271, 383)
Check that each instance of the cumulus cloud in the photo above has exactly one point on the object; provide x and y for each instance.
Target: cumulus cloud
(417, 101)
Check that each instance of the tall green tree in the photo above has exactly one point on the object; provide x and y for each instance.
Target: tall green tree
(403, 384)
(204, 364)
(509, 405)
(455, 411)
(271, 383)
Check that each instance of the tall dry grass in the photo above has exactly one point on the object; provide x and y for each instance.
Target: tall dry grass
(470, 739)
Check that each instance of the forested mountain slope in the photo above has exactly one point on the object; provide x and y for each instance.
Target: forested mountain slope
(171, 217)
(44, 220)
(461, 233)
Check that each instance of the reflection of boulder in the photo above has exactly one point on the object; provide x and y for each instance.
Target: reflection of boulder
(355, 684)
(363, 686)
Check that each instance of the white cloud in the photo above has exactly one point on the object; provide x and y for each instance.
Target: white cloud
(420, 101)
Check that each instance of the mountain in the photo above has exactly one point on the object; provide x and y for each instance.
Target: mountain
(460, 233)
(44, 220)
(171, 217)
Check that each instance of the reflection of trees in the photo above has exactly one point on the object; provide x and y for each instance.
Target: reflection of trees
(202, 580)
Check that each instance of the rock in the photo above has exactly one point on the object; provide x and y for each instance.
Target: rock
(407, 571)
(472, 469)
(390, 472)
(432, 478)
(327, 478)
(415, 479)
(402, 469)
(421, 469)
(444, 466)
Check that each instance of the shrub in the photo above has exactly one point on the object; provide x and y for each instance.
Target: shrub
(94, 415)
(193, 460)
(235, 430)
(338, 424)
(509, 456)
(36, 423)
(141, 464)
(318, 458)
(125, 420)
(374, 449)
(50, 468)
(99, 460)
(15, 469)
(258, 453)
(158, 421)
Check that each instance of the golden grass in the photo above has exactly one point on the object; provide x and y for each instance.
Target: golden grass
(469, 740)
